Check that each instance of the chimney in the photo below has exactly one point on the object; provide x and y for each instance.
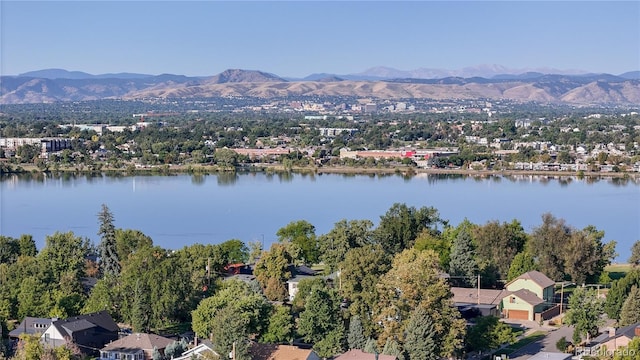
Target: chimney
(636, 332)
(612, 331)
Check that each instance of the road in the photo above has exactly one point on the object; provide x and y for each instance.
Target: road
(547, 343)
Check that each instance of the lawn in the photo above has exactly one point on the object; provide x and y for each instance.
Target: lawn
(617, 271)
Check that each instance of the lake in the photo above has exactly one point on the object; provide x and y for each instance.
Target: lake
(185, 209)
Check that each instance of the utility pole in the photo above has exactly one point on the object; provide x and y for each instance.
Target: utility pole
(478, 289)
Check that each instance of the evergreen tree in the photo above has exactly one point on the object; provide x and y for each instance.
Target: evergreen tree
(356, 339)
(141, 311)
(391, 347)
(630, 313)
(463, 262)
(109, 262)
(156, 354)
(634, 259)
(419, 338)
(371, 347)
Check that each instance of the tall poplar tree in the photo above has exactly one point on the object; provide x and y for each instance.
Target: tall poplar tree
(109, 262)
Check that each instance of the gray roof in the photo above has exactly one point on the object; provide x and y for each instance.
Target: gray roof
(528, 296)
(470, 296)
(102, 319)
(537, 277)
(544, 355)
(28, 326)
(136, 342)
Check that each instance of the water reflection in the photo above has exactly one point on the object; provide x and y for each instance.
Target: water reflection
(227, 178)
(197, 179)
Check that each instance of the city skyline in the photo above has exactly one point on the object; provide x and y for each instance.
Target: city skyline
(298, 38)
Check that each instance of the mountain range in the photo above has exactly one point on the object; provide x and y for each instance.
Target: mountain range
(485, 82)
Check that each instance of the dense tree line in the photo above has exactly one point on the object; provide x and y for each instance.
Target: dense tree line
(384, 287)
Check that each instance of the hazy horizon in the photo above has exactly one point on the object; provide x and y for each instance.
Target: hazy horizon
(298, 38)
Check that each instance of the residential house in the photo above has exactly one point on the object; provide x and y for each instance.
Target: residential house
(613, 339)
(31, 326)
(522, 305)
(137, 346)
(357, 354)
(89, 332)
(281, 352)
(545, 355)
(530, 293)
(536, 282)
(201, 351)
(474, 301)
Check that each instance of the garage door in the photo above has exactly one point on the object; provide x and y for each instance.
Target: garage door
(519, 314)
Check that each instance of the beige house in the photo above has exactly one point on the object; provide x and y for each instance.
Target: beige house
(135, 347)
(615, 339)
(529, 294)
(536, 282)
(356, 354)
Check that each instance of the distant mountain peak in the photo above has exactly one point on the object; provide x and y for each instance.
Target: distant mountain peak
(240, 75)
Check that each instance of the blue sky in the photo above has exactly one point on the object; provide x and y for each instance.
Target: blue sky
(297, 38)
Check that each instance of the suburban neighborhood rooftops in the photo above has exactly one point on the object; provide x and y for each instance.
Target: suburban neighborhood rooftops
(136, 342)
(528, 296)
(470, 295)
(537, 277)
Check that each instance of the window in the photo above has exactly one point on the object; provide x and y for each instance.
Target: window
(512, 300)
(46, 337)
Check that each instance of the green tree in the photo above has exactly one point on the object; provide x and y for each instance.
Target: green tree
(634, 259)
(497, 244)
(128, 242)
(331, 344)
(109, 261)
(321, 315)
(441, 245)
(400, 226)
(630, 312)
(280, 328)
(63, 253)
(355, 338)
(27, 245)
(141, 311)
(230, 332)
(562, 344)
(274, 266)
(415, 280)
(547, 242)
(235, 251)
(371, 347)
(393, 348)
(239, 298)
(489, 333)
(585, 313)
(585, 256)
(30, 348)
(344, 236)
(225, 157)
(463, 266)
(420, 337)
(619, 291)
(523, 262)
(360, 272)
(302, 235)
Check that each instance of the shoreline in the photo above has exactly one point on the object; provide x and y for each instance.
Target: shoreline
(346, 170)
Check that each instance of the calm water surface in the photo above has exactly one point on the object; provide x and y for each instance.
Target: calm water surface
(181, 210)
